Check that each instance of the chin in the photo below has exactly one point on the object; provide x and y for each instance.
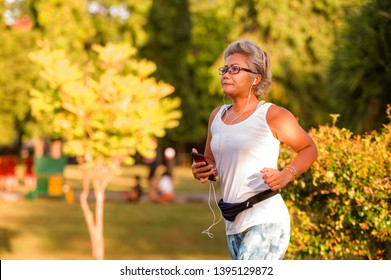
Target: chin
(227, 92)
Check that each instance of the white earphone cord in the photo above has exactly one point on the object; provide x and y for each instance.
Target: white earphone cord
(207, 231)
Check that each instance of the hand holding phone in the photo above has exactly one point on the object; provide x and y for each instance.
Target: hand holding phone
(201, 158)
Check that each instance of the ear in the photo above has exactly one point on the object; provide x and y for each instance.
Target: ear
(257, 80)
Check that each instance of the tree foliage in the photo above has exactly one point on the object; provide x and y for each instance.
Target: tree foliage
(186, 39)
(168, 43)
(119, 20)
(65, 24)
(318, 69)
(341, 206)
(105, 111)
(17, 75)
(298, 35)
(360, 75)
(211, 32)
(112, 103)
(49, 19)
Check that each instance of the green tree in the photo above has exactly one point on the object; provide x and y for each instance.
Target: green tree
(360, 75)
(66, 24)
(168, 44)
(17, 74)
(106, 111)
(298, 35)
(49, 18)
(119, 20)
(209, 36)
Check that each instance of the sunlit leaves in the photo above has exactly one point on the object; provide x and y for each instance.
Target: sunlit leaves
(56, 69)
(344, 208)
(64, 23)
(110, 108)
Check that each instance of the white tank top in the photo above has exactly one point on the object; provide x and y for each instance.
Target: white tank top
(241, 151)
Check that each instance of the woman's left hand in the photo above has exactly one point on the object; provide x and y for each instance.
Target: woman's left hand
(276, 179)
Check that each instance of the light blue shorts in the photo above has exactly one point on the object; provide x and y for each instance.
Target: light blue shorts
(260, 242)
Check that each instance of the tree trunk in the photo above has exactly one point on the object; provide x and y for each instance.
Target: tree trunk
(99, 190)
(100, 176)
(88, 215)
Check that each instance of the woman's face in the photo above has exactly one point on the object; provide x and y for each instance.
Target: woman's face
(236, 85)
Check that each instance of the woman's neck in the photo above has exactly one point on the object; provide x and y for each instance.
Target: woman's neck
(239, 106)
(240, 110)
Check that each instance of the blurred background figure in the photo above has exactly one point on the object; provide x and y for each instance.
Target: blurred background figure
(169, 159)
(11, 180)
(30, 180)
(2, 173)
(164, 192)
(153, 164)
(136, 192)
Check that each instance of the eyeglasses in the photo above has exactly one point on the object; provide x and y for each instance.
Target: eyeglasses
(233, 70)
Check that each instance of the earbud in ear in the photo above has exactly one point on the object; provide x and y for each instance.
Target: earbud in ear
(254, 81)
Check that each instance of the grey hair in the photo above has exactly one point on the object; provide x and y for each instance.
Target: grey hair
(258, 61)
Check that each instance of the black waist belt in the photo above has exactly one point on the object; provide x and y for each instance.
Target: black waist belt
(231, 210)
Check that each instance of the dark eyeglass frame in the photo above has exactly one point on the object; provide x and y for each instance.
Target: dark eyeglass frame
(223, 70)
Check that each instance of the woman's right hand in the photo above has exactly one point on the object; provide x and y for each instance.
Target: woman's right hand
(200, 170)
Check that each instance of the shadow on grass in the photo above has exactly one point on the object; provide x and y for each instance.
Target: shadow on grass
(6, 236)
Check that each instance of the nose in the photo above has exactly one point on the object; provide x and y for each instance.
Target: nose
(224, 76)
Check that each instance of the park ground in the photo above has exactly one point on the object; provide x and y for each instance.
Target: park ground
(52, 228)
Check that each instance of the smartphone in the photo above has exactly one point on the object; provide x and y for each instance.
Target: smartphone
(201, 158)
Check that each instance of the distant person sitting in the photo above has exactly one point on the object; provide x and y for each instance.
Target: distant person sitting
(165, 190)
(136, 192)
(30, 180)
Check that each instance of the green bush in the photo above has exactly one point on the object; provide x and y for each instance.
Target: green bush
(340, 207)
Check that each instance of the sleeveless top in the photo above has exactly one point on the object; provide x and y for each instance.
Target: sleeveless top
(241, 151)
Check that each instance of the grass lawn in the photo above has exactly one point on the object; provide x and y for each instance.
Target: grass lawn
(182, 178)
(51, 229)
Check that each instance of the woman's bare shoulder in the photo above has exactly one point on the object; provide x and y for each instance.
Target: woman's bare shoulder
(276, 112)
(215, 111)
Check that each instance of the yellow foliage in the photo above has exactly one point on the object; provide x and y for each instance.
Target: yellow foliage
(110, 109)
